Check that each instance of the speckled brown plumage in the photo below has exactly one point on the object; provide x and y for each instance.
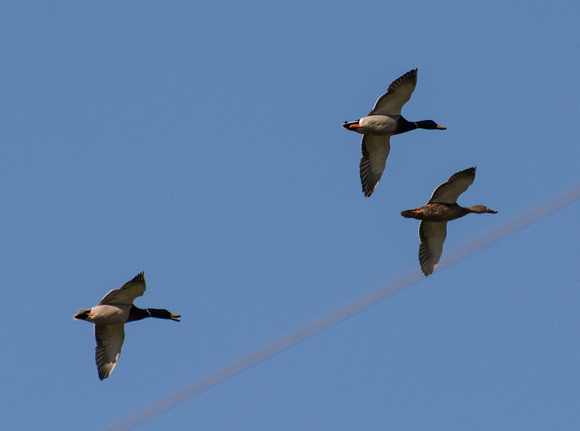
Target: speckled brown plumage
(434, 216)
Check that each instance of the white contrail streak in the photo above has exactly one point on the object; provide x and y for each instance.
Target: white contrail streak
(344, 312)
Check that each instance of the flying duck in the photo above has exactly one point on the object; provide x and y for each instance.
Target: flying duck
(383, 121)
(110, 315)
(434, 216)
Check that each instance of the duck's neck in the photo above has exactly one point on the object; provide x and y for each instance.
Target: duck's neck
(425, 124)
(136, 313)
(404, 126)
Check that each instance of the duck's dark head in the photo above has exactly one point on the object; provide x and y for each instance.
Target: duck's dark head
(163, 314)
(136, 313)
(481, 209)
(429, 125)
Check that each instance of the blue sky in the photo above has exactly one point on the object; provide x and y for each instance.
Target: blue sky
(201, 143)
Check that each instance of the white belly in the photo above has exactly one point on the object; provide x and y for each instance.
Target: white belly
(377, 125)
(109, 314)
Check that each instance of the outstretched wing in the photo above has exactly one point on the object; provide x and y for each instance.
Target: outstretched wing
(127, 293)
(398, 93)
(432, 235)
(449, 191)
(375, 150)
(109, 343)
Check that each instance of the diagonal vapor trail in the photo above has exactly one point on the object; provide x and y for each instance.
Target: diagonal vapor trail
(338, 315)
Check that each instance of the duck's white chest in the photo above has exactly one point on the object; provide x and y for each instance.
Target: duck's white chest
(377, 125)
(109, 314)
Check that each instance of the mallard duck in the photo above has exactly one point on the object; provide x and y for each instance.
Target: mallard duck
(382, 122)
(110, 315)
(434, 216)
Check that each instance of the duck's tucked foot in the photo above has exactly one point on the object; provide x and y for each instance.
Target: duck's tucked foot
(83, 314)
(352, 125)
(411, 213)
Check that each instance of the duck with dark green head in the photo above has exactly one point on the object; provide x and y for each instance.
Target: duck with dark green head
(110, 315)
(383, 121)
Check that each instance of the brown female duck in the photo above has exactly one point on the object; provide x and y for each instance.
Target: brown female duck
(441, 208)
(383, 121)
